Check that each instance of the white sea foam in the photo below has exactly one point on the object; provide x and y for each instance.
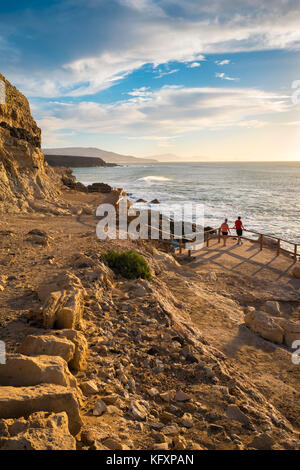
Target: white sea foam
(153, 179)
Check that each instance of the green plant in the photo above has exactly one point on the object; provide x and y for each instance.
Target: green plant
(127, 263)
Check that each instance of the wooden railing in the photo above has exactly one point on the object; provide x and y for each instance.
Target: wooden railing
(264, 240)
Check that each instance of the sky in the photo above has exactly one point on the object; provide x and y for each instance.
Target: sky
(208, 80)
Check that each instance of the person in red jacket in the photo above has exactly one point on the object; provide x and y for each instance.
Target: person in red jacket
(239, 227)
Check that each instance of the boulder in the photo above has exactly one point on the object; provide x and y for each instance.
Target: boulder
(80, 187)
(41, 431)
(89, 387)
(161, 446)
(265, 326)
(80, 261)
(49, 345)
(291, 332)
(168, 396)
(272, 307)
(112, 443)
(64, 281)
(69, 315)
(38, 237)
(138, 410)
(37, 240)
(187, 420)
(16, 402)
(296, 271)
(171, 430)
(235, 413)
(78, 362)
(182, 396)
(100, 408)
(63, 309)
(22, 371)
(104, 274)
(99, 188)
(262, 442)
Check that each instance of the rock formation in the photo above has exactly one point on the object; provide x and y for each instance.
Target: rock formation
(23, 175)
(76, 162)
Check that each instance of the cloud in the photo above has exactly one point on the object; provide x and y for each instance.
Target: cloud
(169, 111)
(292, 123)
(162, 74)
(194, 65)
(93, 44)
(222, 62)
(140, 92)
(223, 76)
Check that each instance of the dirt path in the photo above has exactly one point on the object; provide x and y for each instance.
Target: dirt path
(246, 259)
(222, 283)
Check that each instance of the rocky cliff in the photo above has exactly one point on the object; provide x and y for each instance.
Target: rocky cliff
(24, 178)
(76, 162)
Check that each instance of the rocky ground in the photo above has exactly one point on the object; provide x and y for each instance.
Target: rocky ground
(199, 358)
(96, 361)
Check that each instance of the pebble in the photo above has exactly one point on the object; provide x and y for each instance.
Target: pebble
(89, 388)
(167, 396)
(100, 408)
(171, 430)
(181, 396)
(137, 410)
(187, 420)
(161, 446)
(235, 413)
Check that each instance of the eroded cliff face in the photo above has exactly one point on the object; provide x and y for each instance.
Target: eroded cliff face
(24, 178)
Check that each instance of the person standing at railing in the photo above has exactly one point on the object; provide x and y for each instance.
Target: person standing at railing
(239, 227)
(225, 230)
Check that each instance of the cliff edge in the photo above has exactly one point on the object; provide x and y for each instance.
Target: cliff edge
(23, 174)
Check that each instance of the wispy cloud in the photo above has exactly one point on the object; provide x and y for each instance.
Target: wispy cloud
(222, 62)
(94, 44)
(223, 76)
(167, 112)
(163, 74)
(140, 92)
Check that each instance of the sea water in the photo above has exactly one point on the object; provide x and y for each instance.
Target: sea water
(265, 195)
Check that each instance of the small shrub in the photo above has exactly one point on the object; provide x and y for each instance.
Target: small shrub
(127, 263)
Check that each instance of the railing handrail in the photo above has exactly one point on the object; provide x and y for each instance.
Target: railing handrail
(186, 237)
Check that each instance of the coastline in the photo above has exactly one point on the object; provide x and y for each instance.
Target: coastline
(196, 357)
(268, 240)
(187, 318)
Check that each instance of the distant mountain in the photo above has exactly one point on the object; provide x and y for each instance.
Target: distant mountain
(109, 157)
(170, 158)
(167, 157)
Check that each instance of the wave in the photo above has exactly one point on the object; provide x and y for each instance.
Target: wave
(153, 179)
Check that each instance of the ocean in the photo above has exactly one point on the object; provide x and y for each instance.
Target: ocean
(265, 195)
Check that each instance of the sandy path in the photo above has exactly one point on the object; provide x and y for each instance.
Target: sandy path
(244, 276)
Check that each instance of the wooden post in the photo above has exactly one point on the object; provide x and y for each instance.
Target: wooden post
(180, 246)
(261, 241)
(219, 235)
(278, 247)
(189, 253)
(295, 253)
(207, 240)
